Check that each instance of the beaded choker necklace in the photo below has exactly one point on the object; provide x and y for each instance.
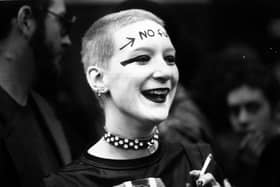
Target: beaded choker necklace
(132, 144)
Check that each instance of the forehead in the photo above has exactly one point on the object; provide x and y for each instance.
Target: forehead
(57, 6)
(139, 34)
(245, 94)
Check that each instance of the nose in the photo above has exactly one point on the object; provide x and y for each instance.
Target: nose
(243, 115)
(243, 119)
(163, 72)
(161, 76)
(66, 41)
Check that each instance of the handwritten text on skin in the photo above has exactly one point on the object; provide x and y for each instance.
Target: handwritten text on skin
(149, 33)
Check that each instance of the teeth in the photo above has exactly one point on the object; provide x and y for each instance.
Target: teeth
(158, 92)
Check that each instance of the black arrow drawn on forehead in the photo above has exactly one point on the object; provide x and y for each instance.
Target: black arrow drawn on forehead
(131, 42)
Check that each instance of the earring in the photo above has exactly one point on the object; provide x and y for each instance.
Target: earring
(98, 93)
(101, 91)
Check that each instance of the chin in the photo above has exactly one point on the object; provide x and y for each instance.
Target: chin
(158, 118)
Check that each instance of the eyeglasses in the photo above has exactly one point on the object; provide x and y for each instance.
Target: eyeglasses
(66, 21)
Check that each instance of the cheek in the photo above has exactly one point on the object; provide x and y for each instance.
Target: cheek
(234, 122)
(120, 83)
(129, 77)
(264, 111)
(52, 32)
(264, 114)
(176, 75)
(232, 119)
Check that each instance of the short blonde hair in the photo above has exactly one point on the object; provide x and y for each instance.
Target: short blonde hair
(97, 43)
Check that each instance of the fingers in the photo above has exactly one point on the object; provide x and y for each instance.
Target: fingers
(208, 178)
(205, 179)
(253, 144)
(252, 139)
(195, 173)
(226, 183)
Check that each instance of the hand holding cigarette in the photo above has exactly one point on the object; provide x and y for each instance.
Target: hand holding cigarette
(203, 177)
(204, 168)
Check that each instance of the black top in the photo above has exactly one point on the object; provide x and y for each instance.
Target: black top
(171, 164)
(268, 169)
(28, 150)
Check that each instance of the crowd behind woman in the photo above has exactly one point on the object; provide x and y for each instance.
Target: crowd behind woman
(159, 129)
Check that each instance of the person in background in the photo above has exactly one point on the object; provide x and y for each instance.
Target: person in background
(129, 61)
(269, 161)
(33, 37)
(241, 101)
(253, 101)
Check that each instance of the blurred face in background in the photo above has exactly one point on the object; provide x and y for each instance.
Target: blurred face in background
(249, 110)
(56, 34)
(51, 40)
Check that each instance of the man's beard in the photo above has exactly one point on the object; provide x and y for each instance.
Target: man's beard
(47, 70)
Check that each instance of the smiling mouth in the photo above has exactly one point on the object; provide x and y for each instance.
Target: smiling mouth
(157, 95)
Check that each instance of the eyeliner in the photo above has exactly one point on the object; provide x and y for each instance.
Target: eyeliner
(125, 62)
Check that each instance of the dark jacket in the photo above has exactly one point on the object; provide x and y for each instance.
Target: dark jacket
(32, 141)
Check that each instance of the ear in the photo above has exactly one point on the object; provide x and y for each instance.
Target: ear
(26, 22)
(95, 79)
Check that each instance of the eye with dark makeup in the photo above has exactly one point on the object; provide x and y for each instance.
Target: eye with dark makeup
(170, 59)
(141, 60)
(144, 59)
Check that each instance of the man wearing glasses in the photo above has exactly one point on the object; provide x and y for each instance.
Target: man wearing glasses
(33, 37)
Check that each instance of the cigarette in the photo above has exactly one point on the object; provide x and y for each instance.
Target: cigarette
(206, 164)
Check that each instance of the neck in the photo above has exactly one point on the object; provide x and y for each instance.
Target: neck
(16, 70)
(126, 126)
